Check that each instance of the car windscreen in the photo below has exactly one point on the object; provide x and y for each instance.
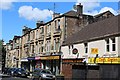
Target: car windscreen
(46, 72)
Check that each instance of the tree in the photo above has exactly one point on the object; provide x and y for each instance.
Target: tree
(1, 43)
(2, 54)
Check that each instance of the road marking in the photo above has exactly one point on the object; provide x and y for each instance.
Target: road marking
(0, 76)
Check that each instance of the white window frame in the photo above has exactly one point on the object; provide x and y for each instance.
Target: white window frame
(107, 45)
(86, 48)
(113, 43)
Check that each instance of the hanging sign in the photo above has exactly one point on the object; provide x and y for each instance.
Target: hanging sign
(94, 50)
(74, 51)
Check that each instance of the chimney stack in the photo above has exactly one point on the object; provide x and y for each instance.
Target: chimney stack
(79, 9)
(25, 30)
(55, 15)
(39, 23)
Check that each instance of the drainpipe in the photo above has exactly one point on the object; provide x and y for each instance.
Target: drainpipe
(86, 69)
(95, 58)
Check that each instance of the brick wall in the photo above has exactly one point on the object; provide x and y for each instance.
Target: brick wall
(67, 71)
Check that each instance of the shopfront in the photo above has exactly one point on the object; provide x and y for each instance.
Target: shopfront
(25, 64)
(38, 64)
(31, 61)
(106, 60)
(49, 62)
(109, 67)
(73, 69)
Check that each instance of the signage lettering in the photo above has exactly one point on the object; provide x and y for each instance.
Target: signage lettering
(105, 60)
(49, 57)
(72, 60)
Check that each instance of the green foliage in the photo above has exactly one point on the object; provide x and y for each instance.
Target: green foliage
(1, 42)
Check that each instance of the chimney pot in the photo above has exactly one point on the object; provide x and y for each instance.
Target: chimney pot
(39, 23)
(79, 9)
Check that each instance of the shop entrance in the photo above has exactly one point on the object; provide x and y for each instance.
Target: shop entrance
(83, 72)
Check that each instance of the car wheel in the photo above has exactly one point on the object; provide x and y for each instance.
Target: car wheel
(40, 78)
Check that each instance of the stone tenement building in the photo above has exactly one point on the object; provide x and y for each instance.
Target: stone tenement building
(41, 47)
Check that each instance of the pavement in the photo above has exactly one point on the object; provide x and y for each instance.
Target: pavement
(8, 77)
(0, 76)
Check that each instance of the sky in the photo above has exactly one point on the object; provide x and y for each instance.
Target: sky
(14, 14)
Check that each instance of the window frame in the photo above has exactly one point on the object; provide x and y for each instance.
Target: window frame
(86, 47)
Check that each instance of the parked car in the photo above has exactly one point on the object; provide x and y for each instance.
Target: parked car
(11, 71)
(5, 70)
(21, 72)
(43, 74)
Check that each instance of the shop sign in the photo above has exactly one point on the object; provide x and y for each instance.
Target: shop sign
(24, 60)
(105, 60)
(37, 58)
(31, 58)
(72, 60)
(49, 57)
(75, 51)
(94, 50)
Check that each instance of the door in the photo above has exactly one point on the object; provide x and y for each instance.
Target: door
(78, 72)
(93, 73)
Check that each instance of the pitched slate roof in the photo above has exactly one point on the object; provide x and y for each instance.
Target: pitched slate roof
(74, 13)
(97, 30)
(70, 13)
(99, 15)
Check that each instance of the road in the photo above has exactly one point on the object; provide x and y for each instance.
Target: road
(6, 77)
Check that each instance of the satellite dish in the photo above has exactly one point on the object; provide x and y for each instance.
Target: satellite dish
(74, 7)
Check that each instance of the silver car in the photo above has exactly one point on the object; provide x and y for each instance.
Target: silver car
(43, 74)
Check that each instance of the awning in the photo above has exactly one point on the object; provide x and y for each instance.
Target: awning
(51, 57)
(31, 58)
(37, 58)
(24, 60)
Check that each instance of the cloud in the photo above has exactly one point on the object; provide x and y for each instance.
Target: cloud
(93, 12)
(104, 9)
(89, 7)
(108, 8)
(6, 4)
(30, 13)
(89, 4)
